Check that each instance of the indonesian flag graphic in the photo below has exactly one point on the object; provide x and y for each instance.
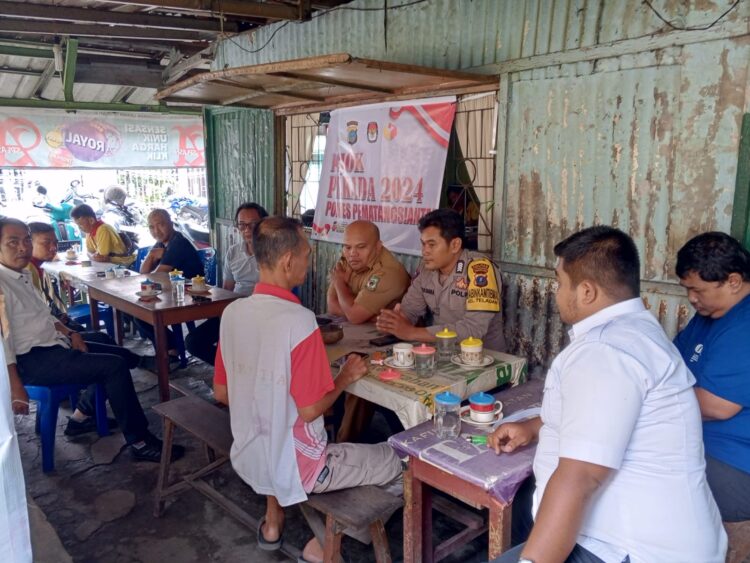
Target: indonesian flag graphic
(436, 119)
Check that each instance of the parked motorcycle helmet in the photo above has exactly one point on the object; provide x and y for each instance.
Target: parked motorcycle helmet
(116, 195)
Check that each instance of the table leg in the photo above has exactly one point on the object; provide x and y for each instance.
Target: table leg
(413, 517)
(94, 307)
(118, 325)
(162, 359)
(166, 454)
(499, 523)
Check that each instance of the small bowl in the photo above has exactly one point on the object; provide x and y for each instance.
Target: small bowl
(323, 321)
(332, 333)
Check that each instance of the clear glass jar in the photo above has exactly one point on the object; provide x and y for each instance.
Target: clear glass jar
(446, 344)
(424, 360)
(447, 419)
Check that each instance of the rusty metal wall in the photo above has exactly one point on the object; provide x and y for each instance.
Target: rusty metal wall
(647, 143)
(240, 153)
(459, 34)
(239, 167)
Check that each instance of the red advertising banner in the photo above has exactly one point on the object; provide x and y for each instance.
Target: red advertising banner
(53, 139)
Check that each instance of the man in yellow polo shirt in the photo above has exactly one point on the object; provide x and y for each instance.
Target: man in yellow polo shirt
(103, 243)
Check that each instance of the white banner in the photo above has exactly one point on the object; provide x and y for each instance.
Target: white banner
(384, 163)
(55, 139)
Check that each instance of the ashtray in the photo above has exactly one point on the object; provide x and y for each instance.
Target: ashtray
(332, 333)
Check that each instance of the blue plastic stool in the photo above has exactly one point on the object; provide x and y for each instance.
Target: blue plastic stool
(49, 398)
(208, 257)
(140, 256)
(81, 313)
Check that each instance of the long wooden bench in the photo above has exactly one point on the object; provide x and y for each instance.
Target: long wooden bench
(350, 511)
(209, 424)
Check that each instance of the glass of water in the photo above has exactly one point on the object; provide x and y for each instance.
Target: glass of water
(178, 290)
(447, 420)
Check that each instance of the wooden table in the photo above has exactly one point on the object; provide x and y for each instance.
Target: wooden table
(120, 294)
(472, 474)
(411, 396)
(71, 274)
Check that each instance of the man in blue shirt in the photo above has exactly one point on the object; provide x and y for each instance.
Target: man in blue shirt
(172, 251)
(715, 270)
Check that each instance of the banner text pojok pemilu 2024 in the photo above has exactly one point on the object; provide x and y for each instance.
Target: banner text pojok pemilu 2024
(384, 163)
(55, 139)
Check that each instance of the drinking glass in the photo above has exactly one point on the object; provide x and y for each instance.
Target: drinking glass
(178, 290)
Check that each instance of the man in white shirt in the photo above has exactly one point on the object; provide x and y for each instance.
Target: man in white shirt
(240, 273)
(619, 465)
(39, 350)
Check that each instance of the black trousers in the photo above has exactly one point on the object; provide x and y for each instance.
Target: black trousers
(731, 489)
(202, 340)
(147, 331)
(55, 365)
(102, 343)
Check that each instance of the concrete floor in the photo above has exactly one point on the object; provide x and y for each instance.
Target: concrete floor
(100, 502)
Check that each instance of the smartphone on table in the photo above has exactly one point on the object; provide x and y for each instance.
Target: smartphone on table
(338, 362)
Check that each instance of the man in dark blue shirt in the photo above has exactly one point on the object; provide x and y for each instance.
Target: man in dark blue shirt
(715, 270)
(172, 251)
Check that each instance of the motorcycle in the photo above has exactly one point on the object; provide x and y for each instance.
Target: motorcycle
(190, 217)
(125, 216)
(58, 215)
(197, 234)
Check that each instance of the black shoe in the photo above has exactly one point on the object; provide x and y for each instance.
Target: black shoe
(149, 363)
(151, 451)
(75, 428)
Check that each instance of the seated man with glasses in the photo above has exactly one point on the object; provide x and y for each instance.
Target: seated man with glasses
(240, 273)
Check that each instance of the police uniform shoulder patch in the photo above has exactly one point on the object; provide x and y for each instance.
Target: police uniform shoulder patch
(483, 293)
(372, 283)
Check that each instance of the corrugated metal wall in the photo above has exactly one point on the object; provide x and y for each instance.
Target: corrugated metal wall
(644, 136)
(465, 33)
(240, 167)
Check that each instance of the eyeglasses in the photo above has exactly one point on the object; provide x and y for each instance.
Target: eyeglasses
(243, 226)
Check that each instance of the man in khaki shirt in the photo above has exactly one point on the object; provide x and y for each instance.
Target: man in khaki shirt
(367, 279)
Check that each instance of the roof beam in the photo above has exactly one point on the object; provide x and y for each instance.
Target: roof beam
(69, 71)
(65, 13)
(92, 30)
(228, 7)
(179, 67)
(44, 53)
(138, 74)
(98, 106)
(43, 80)
(333, 82)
